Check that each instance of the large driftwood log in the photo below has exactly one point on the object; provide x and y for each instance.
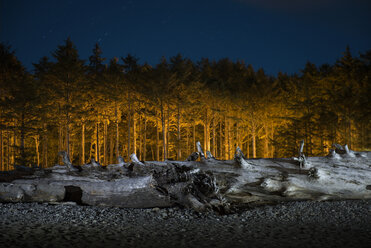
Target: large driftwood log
(136, 185)
(205, 184)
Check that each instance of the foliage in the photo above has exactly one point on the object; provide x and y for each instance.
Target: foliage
(115, 109)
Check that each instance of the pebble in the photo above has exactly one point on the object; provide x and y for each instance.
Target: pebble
(314, 224)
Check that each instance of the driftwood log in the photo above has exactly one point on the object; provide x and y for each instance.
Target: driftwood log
(134, 185)
(199, 182)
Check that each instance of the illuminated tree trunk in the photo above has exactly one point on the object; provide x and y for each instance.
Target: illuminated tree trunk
(22, 146)
(140, 137)
(60, 142)
(117, 139)
(226, 138)
(164, 156)
(111, 149)
(157, 139)
(178, 141)
(129, 126)
(45, 147)
(83, 143)
(68, 135)
(238, 135)
(272, 137)
(14, 145)
(206, 132)
(105, 155)
(134, 134)
(349, 132)
(37, 143)
(253, 142)
(145, 138)
(194, 136)
(214, 139)
(229, 138)
(8, 151)
(187, 144)
(117, 132)
(97, 143)
(167, 131)
(220, 140)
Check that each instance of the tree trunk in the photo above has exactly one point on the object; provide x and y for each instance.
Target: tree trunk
(187, 144)
(45, 146)
(68, 135)
(229, 138)
(134, 134)
(226, 138)
(194, 136)
(206, 132)
(22, 146)
(145, 138)
(214, 139)
(97, 144)
(238, 135)
(105, 144)
(350, 133)
(8, 151)
(140, 137)
(220, 140)
(37, 142)
(253, 143)
(163, 132)
(272, 137)
(111, 149)
(167, 131)
(129, 125)
(83, 143)
(14, 146)
(117, 139)
(60, 142)
(157, 139)
(117, 133)
(178, 141)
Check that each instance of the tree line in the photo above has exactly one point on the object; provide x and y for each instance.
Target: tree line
(104, 109)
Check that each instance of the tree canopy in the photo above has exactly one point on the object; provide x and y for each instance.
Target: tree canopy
(103, 108)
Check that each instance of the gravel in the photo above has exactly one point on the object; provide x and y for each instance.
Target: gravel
(290, 224)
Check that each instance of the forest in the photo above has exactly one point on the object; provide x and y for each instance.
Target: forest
(103, 108)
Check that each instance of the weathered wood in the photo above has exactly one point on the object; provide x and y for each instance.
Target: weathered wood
(208, 184)
(193, 157)
(135, 159)
(301, 157)
(139, 185)
(200, 151)
(209, 155)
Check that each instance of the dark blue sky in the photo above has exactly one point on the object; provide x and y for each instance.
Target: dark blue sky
(278, 35)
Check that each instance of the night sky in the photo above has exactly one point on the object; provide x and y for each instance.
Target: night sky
(278, 35)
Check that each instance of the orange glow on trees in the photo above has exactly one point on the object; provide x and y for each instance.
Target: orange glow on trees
(101, 111)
